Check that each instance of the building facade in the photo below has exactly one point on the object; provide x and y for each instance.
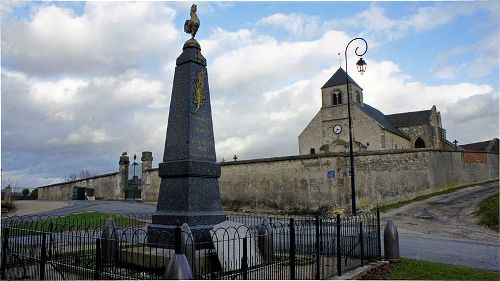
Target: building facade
(328, 131)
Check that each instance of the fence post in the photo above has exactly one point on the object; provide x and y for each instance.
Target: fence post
(339, 261)
(244, 260)
(317, 249)
(362, 251)
(5, 244)
(43, 256)
(292, 249)
(51, 244)
(98, 264)
(379, 242)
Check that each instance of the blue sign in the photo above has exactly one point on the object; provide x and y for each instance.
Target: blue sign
(330, 174)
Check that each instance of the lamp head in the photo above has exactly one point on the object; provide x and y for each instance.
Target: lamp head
(361, 65)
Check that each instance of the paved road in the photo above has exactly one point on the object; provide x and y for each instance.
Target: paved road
(102, 206)
(466, 253)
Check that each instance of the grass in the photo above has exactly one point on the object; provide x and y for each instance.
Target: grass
(82, 220)
(396, 205)
(487, 212)
(410, 269)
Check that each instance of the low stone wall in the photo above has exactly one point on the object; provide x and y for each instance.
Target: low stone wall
(105, 187)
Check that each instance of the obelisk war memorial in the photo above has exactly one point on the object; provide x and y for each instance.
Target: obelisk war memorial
(189, 190)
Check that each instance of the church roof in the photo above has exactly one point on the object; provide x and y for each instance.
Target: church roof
(382, 120)
(338, 78)
(409, 118)
(488, 146)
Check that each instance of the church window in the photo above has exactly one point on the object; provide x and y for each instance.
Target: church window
(358, 98)
(340, 98)
(334, 99)
(419, 143)
(313, 151)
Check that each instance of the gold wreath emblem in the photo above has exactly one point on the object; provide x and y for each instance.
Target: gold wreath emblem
(199, 91)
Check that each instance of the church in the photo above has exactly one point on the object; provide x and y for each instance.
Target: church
(372, 130)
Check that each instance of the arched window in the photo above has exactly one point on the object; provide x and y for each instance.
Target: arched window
(334, 99)
(340, 98)
(313, 151)
(419, 143)
(358, 98)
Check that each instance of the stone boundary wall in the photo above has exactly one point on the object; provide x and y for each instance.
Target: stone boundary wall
(105, 187)
(313, 182)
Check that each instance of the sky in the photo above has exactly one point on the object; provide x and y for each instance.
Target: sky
(83, 82)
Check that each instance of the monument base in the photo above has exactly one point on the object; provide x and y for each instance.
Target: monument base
(161, 231)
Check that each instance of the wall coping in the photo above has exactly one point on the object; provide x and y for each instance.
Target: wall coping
(342, 154)
(85, 179)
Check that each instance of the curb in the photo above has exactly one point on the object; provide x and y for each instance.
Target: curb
(353, 274)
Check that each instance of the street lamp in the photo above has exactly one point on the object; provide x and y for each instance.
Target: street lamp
(361, 65)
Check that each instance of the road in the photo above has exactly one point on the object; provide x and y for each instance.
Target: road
(466, 253)
(71, 207)
(444, 229)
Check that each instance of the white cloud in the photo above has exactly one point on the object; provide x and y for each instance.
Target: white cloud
(299, 25)
(105, 39)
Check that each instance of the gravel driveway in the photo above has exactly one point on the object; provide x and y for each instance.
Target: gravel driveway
(448, 215)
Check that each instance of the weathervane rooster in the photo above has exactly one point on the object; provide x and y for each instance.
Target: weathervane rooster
(191, 26)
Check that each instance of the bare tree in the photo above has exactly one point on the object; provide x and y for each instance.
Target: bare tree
(86, 174)
(72, 177)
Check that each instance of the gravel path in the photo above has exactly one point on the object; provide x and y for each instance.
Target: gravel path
(449, 215)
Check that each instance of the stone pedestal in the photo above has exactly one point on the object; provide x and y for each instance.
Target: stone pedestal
(189, 189)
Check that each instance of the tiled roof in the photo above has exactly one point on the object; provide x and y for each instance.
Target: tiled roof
(488, 146)
(381, 119)
(338, 78)
(409, 118)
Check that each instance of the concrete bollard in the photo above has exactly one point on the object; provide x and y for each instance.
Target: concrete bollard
(265, 241)
(178, 267)
(391, 242)
(109, 243)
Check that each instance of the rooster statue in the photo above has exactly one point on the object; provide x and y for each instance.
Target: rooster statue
(191, 26)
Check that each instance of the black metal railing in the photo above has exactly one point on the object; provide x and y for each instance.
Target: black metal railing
(244, 247)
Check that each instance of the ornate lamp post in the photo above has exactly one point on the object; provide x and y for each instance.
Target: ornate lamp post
(361, 65)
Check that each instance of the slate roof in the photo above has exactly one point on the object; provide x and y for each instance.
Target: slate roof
(382, 120)
(338, 78)
(407, 119)
(488, 146)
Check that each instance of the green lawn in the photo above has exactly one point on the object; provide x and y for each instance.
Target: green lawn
(427, 196)
(87, 220)
(487, 212)
(410, 269)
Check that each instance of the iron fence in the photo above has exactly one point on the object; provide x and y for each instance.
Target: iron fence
(244, 247)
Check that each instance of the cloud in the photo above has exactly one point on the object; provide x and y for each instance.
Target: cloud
(107, 38)
(456, 61)
(298, 25)
(379, 28)
(68, 123)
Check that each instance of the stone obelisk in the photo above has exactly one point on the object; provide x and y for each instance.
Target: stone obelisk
(189, 190)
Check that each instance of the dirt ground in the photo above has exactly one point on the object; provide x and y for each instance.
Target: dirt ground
(448, 215)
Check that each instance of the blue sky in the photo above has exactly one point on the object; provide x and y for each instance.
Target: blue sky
(84, 81)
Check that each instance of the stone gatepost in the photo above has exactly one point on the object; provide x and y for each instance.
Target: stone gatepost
(123, 172)
(147, 164)
(189, 189)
